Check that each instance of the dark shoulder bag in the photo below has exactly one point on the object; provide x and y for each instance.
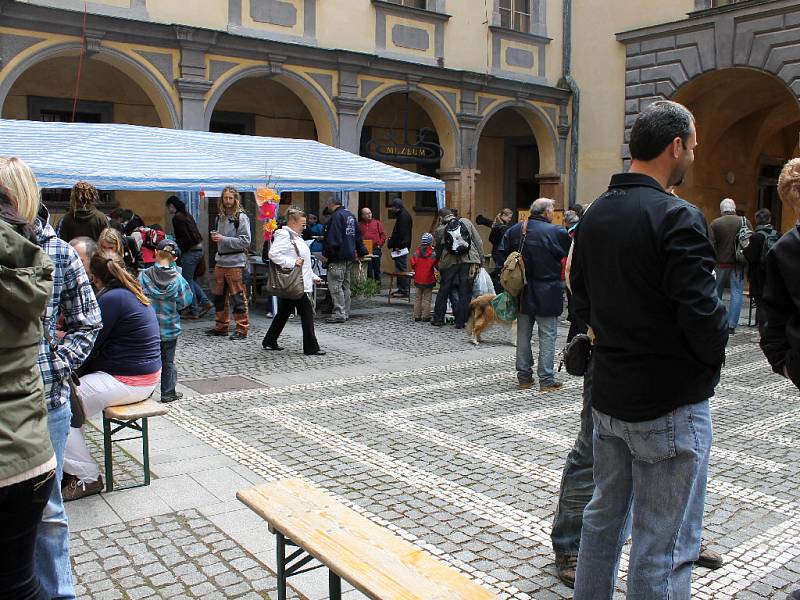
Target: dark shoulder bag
(576, 355)
(78, 417)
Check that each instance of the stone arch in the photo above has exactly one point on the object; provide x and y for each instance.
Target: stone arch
(158, 93)
(437, 111)
(316, 103)
(537, 120)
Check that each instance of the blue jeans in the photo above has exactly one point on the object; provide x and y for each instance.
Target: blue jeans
(732, 278)
(191, 259)
(169, 372)
(52, 539)
(663, 464)
(401, 266)
(577, 482)
(548, 329)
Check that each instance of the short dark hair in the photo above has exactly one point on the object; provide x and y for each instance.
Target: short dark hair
(763, 216)
(656, 127)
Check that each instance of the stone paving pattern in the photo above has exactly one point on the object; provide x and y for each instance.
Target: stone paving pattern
(427, 435)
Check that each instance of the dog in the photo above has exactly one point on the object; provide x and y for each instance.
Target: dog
(481, 317)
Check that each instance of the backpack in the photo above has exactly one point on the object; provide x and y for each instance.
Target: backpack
(512, 275)
(151, 238)
(770, 237)
(457, 238)
(742, 241)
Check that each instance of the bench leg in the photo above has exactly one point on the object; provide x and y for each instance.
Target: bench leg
(145, 452)
(334, 586)
(108, 456)
(280, 546)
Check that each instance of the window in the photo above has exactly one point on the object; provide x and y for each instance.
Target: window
(515, 14)
(411, 3)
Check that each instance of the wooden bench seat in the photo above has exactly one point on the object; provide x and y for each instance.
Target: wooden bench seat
(371, 558)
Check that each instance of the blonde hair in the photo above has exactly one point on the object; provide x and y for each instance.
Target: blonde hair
(789, 184)
(237, 205)
(112, 236)
(294, 212)
(21, 182)
(83, 195)
(506, 211)
(108, 267)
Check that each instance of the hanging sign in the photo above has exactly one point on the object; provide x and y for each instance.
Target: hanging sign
(421, 152)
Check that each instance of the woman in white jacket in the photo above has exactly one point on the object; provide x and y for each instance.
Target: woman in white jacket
(289, 250)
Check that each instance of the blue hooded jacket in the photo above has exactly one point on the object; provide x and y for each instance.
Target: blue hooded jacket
(343, 238)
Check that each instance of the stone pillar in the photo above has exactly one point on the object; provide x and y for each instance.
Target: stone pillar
(348, 104)
(193, 84)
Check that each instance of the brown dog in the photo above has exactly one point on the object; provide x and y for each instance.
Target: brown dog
(481, 317)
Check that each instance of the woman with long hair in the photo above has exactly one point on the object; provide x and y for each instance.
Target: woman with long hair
(125, 365)
(83, 217)
(190, 242)
(288, 250)
(27, 459)
(111, 240)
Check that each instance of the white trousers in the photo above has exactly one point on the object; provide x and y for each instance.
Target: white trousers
(97, 390)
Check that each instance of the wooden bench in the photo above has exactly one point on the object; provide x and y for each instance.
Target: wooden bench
(372, 559)
(393, 275)
(129, 416)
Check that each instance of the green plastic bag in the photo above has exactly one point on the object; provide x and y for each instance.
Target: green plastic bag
(505, 307)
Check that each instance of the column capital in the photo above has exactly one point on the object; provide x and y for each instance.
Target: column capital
(348, 105)
(194, 89)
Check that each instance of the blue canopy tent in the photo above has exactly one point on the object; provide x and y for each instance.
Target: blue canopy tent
(131, 157)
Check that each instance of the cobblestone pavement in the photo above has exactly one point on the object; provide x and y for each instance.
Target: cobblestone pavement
(428, 436)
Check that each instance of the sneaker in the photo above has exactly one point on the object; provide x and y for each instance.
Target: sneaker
(73, 488)
(525, 385)
(556, 385)
(710, 559)
(215, 331)
(269, 315)
(171, 397)
(237, 335)
(336, 320)
(204, 310)
(565, 569)
(399, 294)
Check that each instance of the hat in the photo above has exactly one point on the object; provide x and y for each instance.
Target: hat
(168, 245)
(427, 239)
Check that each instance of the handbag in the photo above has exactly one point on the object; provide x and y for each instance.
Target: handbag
(286, 283)
(78, 417)
(505, 307)
(576, 355)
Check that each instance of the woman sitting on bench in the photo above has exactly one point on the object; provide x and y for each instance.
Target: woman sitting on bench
(125, 365)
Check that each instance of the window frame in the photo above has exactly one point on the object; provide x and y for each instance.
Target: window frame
(536, 17)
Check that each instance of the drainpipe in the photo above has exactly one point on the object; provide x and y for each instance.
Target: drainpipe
(569, 83)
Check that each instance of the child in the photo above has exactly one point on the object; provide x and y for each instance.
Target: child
(423, 262)
(168, 292)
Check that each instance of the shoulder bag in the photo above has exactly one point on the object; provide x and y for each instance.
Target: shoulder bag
(286, 283)
(78, 417)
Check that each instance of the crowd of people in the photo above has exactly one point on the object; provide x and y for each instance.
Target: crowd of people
(97, 307)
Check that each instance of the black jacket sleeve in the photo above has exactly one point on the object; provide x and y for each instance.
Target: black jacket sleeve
(776, 313)
(401, 234)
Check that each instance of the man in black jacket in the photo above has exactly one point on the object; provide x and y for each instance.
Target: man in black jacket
(400, 242)
(763, 239)
(642, 278)
(342, 244)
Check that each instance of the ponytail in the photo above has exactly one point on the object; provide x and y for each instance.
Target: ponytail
(108, 267)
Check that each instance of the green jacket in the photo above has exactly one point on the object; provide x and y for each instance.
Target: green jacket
(26, 282)
(448, 259)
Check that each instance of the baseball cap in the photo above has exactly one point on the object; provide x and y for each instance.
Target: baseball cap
(168, 245)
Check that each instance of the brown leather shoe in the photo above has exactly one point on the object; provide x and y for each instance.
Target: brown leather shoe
(709, 559)
(73, 488)
(565, 569)
(204, 310)
(555, 386)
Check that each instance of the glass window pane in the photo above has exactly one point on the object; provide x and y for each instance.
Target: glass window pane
(523, 6)
(505, 18)
(522, 22)
(505, 5)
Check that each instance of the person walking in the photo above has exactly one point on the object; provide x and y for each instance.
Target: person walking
(190, 244)
(423, 263)
(724, 234)
(400, 243)
(27, 459)
(543, 245)
(372, 229)
(232, 236)
(169, 293)
(83, 216)
(761, 242)
(642, 278)
(288, 250)
(74, 309)
(342, 245)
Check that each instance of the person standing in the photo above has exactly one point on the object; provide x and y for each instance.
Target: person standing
(543, 245)
(761, 242)
(314, 231)
(724, 233)
(73, 300)
(288, 250)
(459, 249)
(83, 216)
(342, 244)
(190, 243)
(232, 236)
(423, 263)
(372, 229)
(642, 278)
(400, 244)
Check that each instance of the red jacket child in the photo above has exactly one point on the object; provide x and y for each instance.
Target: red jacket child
(424, 262)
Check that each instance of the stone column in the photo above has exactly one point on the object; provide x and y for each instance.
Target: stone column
(348, 104)
(193, 83)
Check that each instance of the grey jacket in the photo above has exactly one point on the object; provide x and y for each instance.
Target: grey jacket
(232, 249)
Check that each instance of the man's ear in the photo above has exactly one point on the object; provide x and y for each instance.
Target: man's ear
(677, 144)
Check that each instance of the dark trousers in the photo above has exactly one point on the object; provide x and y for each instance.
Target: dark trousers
(306, 312)
(374, 265)
(169, 372)
(401, 266)
(21, 507)
(457, 279)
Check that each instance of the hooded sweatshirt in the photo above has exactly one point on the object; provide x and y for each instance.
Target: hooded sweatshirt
(168, 292)
(87, 222)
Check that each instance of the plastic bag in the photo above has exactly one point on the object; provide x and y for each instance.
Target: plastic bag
(483, 284)
(505, 307)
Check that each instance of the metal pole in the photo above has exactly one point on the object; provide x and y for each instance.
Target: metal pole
(334, 586)
(281, 552)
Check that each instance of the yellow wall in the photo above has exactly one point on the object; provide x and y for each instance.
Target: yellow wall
(598, 65)
(211, 14)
